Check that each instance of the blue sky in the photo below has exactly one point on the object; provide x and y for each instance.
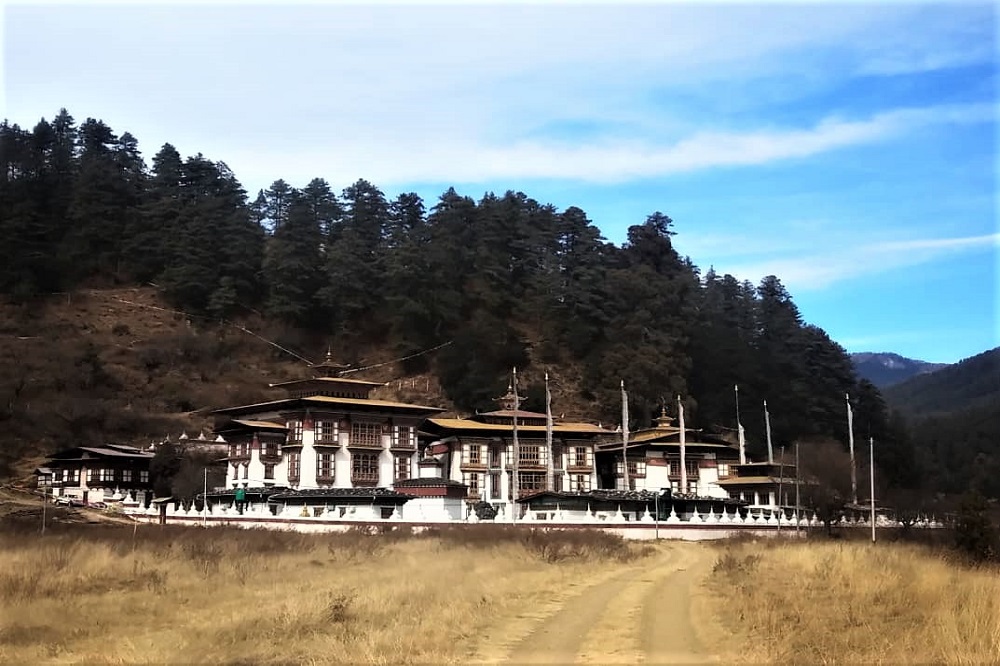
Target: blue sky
(850, 149)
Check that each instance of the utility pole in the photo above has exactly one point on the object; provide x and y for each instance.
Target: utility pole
(767, 426)
(624, 437)
(204, 501)
(781, 488)
(517, 454)
(850, 444)
(739, 428)
(45, 497)
(550, 473)
(798, 505)
(871, 443)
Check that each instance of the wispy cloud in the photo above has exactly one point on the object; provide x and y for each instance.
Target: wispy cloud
(809, 270)
(398, 159)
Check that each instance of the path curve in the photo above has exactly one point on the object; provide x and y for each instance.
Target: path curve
(642, 613)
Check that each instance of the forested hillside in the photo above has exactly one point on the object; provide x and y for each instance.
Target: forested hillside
(970, 382)
(954, 417)
(503, 281)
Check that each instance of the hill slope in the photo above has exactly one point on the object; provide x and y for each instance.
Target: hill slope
(954, 419)
(973, 381)
(117, 365)
(885, 369)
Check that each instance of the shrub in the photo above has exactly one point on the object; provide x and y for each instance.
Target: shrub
(975, 534)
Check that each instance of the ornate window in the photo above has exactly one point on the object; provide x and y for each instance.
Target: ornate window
(723, 470)
(579, 483)
(471, 479)
(326, 432)
(404, 437)
(324, 466)
(143, 476)
(472, 454)
(495, 456)
(557, 457)
(495, 486)
(366, 434)
(579, 457)
(295, 432)
(531, 454)
(294, 462)
(126, 476)
(268, 471)
(402, 467)
(690, 466)
(635, 468)
(364, 468)
(531, 481)
(269, 448)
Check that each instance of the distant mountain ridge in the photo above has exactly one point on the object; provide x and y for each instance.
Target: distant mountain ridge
(971, 382)
(886, 368)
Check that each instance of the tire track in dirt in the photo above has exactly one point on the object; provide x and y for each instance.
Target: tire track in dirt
(668, 634)
(558, 638)
(642, 614)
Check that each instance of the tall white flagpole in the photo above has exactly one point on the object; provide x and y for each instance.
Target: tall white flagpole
(517, 453)
(781, 489)
(767, 425)
(550, 471)
(739, 429)
(680, 419)
(850, 441)
(625, 436)
(797, 502)
(871, 443)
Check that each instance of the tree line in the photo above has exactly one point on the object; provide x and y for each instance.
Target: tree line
(509, 281)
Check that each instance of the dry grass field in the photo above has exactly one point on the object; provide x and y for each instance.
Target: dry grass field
(849, 602)
(96, 594)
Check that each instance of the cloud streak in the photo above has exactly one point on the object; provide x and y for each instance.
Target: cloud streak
(395, 159)
(808, 270)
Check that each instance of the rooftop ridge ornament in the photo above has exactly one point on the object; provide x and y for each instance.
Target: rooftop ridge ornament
(333, 368)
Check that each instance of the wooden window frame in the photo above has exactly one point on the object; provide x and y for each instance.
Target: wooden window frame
(364, 467)
(364, 433)
(402, 467)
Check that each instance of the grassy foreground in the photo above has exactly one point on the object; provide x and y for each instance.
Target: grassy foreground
(189, 595)
(822, 602)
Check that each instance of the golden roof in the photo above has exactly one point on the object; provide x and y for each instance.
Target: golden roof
(335, 380)
(750, 480)
(370, 403)
(468, 424)
(359, 402)
(260, 424)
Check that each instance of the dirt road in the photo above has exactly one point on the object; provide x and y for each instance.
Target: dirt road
(641, 614)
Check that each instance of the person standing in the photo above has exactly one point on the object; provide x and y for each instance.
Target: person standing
(241, 499)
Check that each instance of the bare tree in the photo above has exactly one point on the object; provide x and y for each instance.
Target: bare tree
(826, 476)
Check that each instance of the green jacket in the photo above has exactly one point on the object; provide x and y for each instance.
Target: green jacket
(241, 495)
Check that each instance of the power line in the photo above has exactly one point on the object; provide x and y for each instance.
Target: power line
(276, 345)
(228, 323)
(397, 360)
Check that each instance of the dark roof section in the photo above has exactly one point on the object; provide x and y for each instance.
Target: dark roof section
(509, 414)
(428, 483)
(609, 495)
(602, 495)
(341, 493)
(264, 491)
(106, 451)
(305, 402)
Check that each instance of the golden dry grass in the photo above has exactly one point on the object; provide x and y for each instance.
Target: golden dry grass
(189, 595)
(823, 602)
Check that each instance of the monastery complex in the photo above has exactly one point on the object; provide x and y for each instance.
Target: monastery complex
(328, 456)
